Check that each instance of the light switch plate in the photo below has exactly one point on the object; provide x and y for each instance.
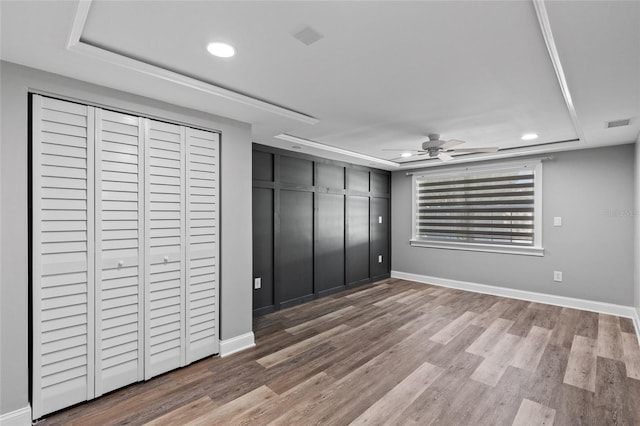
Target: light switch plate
(257, 283)
(379, 258)
(557, 221)
(557, 276)
(379, 219)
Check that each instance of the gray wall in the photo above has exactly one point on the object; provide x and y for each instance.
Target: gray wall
(235, 233)
(592, 190)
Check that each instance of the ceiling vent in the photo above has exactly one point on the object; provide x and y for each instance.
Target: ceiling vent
(308, 36)
(618, 123)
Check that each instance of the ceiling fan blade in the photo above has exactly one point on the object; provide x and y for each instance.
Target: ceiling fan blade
(403, 150)
(445, 157)
(412, 158)
(488, 149)
(450, 144)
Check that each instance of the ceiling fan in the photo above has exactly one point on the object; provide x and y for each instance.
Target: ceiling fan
(435, 147)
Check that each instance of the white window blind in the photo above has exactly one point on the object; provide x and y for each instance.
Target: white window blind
(498, 207)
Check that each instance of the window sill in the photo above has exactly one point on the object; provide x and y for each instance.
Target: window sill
(488, 248)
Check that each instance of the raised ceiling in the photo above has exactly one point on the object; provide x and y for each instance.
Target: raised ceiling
(383, 75)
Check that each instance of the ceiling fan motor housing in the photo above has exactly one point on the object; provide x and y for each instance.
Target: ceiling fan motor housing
(433, 143)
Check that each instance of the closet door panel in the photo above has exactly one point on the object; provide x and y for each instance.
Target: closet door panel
(165, 247)
(119, 250)
(62, 265)
(202, 232)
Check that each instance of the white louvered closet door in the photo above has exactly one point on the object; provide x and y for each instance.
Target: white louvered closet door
(62, 265)
(165, 225)
(202, 250)
(119, 174)
(124, 250)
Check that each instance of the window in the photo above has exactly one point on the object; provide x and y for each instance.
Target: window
(495, 209)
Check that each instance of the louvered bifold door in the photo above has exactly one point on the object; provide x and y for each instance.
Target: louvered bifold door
(119, 175)
(202, 244)
(62, 263)
(165, 221)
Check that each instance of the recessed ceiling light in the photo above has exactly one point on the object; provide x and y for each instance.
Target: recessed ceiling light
(221, 50)
(529, 136)
(406, 154)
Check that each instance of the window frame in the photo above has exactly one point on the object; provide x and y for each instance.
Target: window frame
(533, 250)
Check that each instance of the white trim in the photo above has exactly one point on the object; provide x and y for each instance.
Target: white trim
(545, 27)
(19, 417)
(636, 320)
(82, 12)
(236, 344)
(459, 171)
(530, 296)
(488, 248)
(334, 149)
(76, 45)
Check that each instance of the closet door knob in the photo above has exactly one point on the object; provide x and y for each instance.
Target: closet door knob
(120, 263)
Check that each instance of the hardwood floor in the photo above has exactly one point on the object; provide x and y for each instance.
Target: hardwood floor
(404, 353)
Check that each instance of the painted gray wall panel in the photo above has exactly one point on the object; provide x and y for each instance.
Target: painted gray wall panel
(330, 176)
(592, 190)
(263, 246)
(235, 216)
(296, 171)
(296, 245)
(329, 254)
(380, 183)
(358, 239)
(379, 236)
(358, 180)
(262, 166)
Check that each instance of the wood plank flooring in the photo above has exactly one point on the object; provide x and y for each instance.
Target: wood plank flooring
(400, 353)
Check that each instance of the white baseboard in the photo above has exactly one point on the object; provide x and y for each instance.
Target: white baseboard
(636, 320)
(21, 417)
(236, 344)
(530, 296)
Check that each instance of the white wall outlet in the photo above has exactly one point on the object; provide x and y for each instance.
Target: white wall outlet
(257, 283)
(557, 221)
(379, 258)
(557, 276)
(379, 219)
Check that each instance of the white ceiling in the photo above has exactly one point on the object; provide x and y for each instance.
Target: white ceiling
(384, 75)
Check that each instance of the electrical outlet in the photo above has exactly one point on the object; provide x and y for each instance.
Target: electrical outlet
(557, 276)
(557, 221)
(257, 283)
(379, 219)
(379, 258)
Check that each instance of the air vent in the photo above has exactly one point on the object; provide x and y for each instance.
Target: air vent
(308, 36)
(618, 123)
